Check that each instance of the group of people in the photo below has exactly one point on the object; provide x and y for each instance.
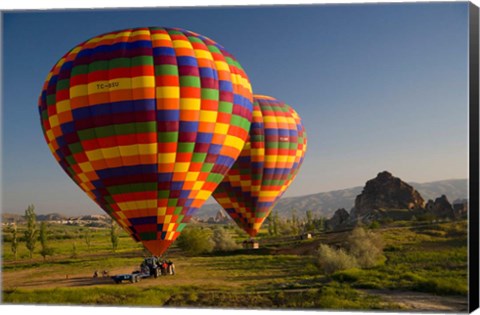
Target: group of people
(104, 274)
(167, 267)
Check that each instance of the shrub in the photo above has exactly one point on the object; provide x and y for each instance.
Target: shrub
(435, 285)
(365, 246)
(427, 217)
(47, 251)
(310, 268)
(331, 260)
(375, 225)
(195, 241)
(393, 248)
(412, 277)
(456, 230)
(351, 275)
(223, 241)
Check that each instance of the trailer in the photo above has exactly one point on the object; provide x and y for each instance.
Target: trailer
(150, 267)
(131, 277)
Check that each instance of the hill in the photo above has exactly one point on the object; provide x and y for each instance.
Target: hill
(452, 188)
(322, 204)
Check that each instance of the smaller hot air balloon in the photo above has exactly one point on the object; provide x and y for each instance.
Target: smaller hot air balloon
(266, 166)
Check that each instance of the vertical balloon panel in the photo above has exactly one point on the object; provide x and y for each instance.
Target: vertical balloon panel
(147, 122)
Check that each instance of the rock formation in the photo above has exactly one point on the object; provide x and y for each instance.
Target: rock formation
(386, 192)
(220, 217)
(440, 208)
(339, 219)
(460, 207)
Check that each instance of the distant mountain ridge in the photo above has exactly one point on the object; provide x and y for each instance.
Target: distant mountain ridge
(452, 188)
(323, 204)
(326, 203)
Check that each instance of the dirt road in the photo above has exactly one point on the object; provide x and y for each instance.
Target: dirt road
(28, 279)
(418, 301)
(409, 300)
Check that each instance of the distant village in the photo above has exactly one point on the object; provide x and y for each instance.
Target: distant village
(95, 220)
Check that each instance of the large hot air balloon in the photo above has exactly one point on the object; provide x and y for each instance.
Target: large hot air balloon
(147, 121)
(267, 165)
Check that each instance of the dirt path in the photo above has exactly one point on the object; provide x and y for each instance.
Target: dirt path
(46, 278)
(408, 300)
(28, 279)
(418, 301)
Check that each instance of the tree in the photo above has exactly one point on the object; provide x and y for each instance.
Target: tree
(46, 251)
(43, 234)
(114, 236)
(195, 241)
(294, 223)
(275, 223)
(31, 231)
(319, 223)
(309, 226)
(270, 225)
(374, 225)
(285, 227)
(223, 241)
(74, 249)
(14, 244)
(88, 238)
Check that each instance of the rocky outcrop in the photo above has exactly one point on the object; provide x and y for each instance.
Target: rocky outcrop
(460, 208)
(440, 208)
(220, 217)
(340, 219)
(386, 192)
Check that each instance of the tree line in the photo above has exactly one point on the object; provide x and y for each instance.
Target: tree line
(32, 235)
(295, 225)
(192, 241)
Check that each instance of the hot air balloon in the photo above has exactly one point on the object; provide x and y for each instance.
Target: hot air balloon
(266, 166)
(147, 122)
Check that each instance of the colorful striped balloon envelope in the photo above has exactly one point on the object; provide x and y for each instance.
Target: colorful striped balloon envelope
(147, 121)
(267, 165)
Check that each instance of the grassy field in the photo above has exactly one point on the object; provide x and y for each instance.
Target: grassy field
(429, 259)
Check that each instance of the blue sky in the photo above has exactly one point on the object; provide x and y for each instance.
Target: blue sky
(379, 87)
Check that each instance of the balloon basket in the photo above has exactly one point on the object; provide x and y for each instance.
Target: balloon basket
(251, 244)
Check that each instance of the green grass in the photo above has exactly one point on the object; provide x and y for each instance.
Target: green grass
(63, 237)
(423, 258)
(107, 295)
(332, 296)
(418, 261)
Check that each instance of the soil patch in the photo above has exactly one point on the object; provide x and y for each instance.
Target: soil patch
(419, 301)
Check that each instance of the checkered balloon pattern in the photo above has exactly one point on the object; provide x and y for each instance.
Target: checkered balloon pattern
(147, 121)
(266, 166)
